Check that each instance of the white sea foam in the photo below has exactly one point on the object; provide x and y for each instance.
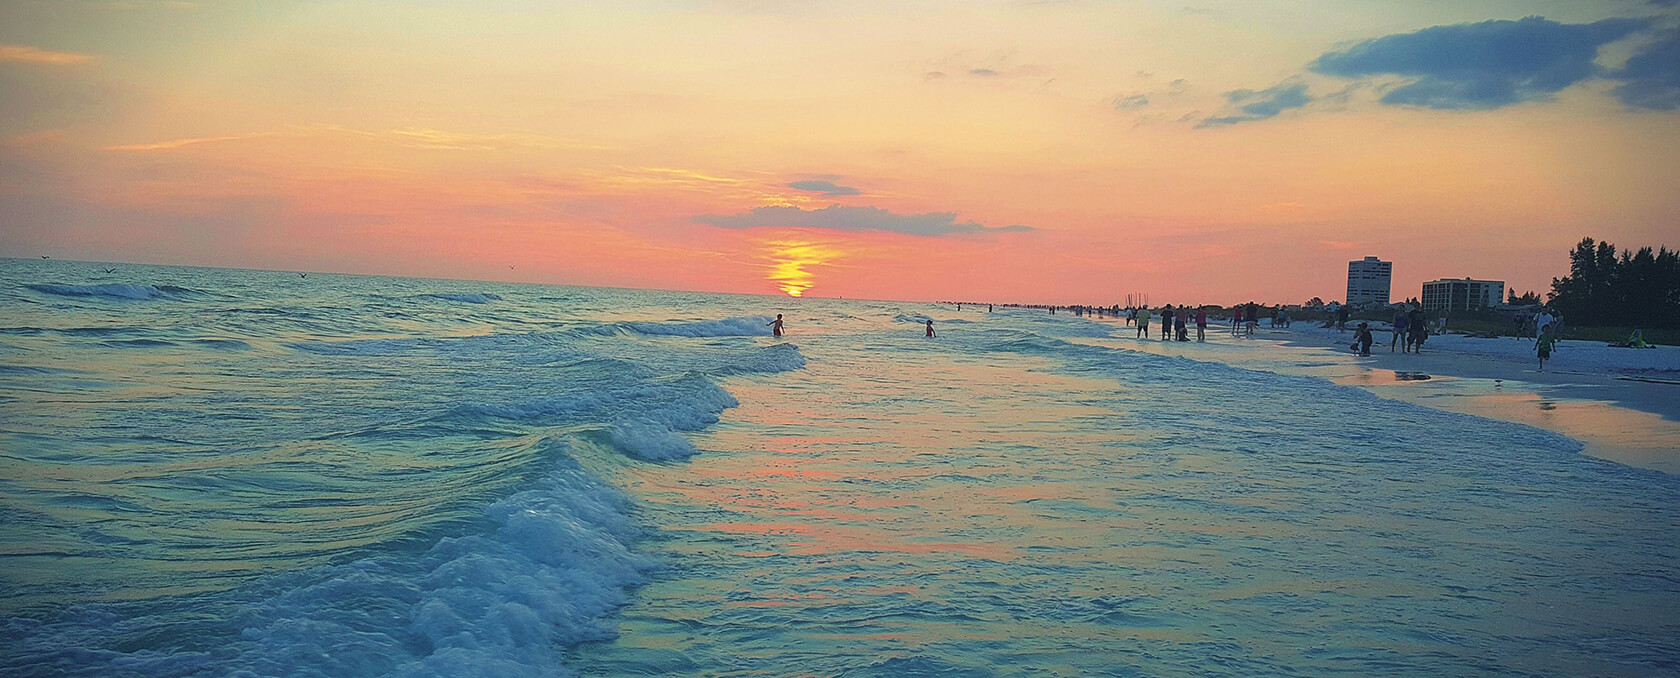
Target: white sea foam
(549, 565)
(748, 326)
(649, 440)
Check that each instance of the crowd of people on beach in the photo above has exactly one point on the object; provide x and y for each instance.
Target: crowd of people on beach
(1410, 327)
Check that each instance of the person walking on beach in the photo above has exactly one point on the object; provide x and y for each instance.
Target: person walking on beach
(1236, 319)
(1166, 322)
(1544, 344)
(930, 333)
(1143, 322)
(1417, 329)
(1399, 331)
(776, 326)
(1201, 323)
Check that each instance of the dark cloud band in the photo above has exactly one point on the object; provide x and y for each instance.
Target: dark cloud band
(853, 219)
(1480, 66)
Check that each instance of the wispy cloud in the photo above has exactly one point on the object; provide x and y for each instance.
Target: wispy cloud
(190, 141)
(408, 137)
(853, 219)
(1248, 105)
(1130, 102)
(35, 55)
(825, 187)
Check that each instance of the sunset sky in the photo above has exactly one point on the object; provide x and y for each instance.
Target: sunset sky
(1030, 151)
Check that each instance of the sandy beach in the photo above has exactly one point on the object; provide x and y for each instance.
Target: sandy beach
(1622, 404)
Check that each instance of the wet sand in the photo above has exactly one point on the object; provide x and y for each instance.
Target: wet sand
(1623, 420)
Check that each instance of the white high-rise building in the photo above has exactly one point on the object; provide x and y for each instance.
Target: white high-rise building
(1368, 281)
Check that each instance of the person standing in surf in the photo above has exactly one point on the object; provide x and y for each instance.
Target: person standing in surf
(1143, 322)
(1166, 322)
(1201, 323)
(1399, 332)
(930, 333)
(776, 326)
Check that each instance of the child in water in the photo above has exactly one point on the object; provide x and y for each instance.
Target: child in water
(776, 326)
(930, 327)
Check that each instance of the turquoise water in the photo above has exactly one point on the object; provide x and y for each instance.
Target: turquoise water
(213, 472)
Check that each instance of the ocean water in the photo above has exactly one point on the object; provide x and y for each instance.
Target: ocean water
(240, 473)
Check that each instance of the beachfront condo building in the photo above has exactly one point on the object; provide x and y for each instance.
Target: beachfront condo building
(1368, 281)
(1448, 294)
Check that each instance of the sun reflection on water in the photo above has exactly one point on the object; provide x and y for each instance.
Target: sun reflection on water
(792, 261)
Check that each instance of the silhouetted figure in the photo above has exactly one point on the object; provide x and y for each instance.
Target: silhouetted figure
(1143, 322)
(1166, 322)
(1544, 344)
(1201, 323)
(1341, 319)
(1399, 331)
(930, 333)
(1362, 339)
(1180, 322)
(1416, 329)
(776, 326)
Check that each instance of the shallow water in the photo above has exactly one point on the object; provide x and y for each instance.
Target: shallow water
(216, 472)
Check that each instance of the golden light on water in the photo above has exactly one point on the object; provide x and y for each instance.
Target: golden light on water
(792, 263)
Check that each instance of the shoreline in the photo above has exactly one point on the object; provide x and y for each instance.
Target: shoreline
(1616, 416)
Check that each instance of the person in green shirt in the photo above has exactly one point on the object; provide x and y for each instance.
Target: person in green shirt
(1143, 323)
(1544, 345)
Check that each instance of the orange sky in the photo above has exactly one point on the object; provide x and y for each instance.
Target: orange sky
(1009, 151)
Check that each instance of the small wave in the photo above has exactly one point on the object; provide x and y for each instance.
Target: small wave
(649, 440)
(465, 297)
(112, 290)
(360, 346)
(748, 326)
(771, 359)
(137, 343)
(222, 344)
(34, 370)
(545, 572)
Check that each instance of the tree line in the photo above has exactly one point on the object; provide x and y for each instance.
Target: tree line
(1631, 289)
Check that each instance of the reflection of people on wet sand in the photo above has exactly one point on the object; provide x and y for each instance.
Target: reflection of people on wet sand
(930, 327)
(776, 326)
